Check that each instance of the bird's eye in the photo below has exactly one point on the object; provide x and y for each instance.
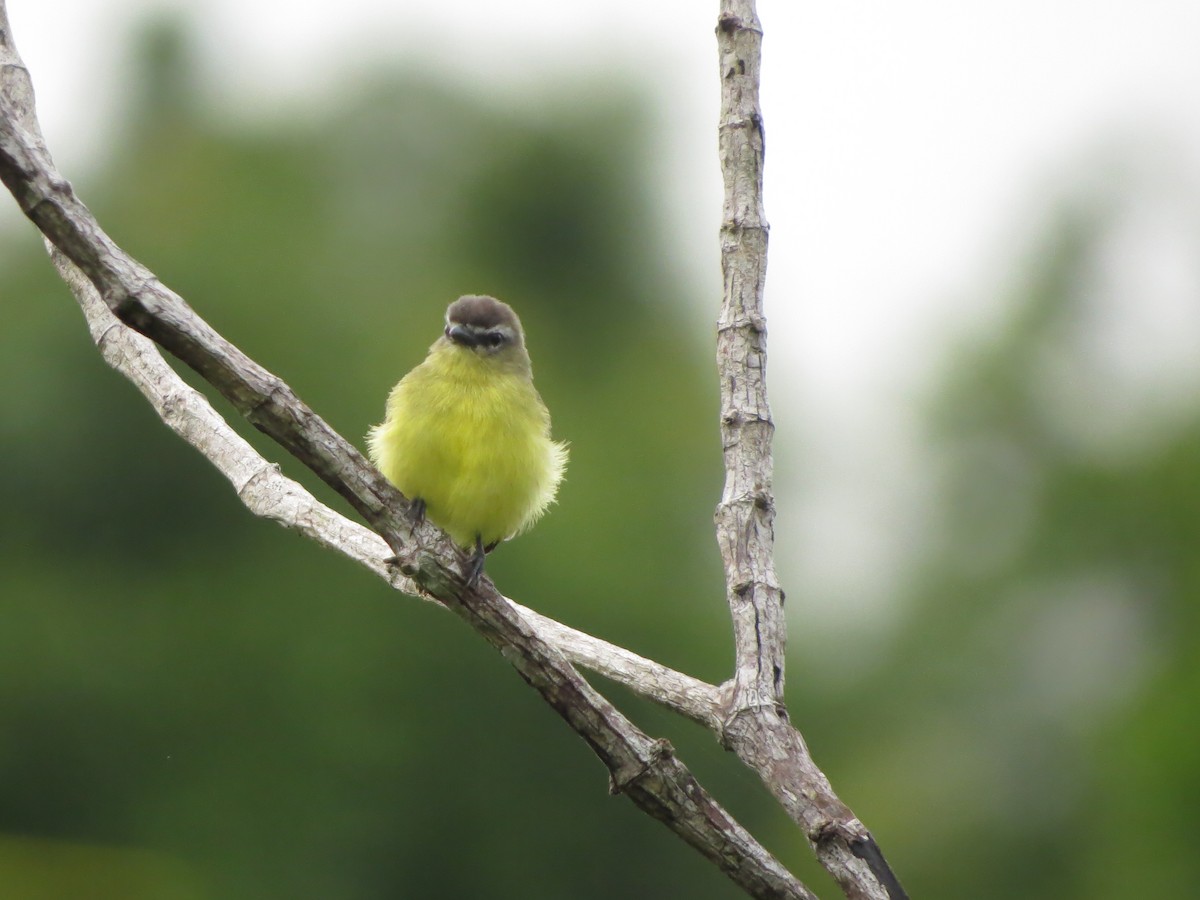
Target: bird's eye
(493, 339)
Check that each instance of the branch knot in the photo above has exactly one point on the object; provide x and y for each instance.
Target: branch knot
(619, 781)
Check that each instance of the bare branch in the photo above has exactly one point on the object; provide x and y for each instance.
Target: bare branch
(691, 697)
(747, 508)
(757, 727)
(643, 769)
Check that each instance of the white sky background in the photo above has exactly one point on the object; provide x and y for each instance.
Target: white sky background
(911, 151)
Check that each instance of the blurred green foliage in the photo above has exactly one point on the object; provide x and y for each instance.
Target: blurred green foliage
(195, 704)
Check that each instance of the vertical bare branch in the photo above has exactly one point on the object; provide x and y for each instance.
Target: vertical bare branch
(757, 726)
(747, 509)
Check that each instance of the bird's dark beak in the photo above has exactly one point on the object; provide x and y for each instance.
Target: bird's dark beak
(462, 335)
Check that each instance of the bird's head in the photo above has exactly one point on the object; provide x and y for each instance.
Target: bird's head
(486, 327)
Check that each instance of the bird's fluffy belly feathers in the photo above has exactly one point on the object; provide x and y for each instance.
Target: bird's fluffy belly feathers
(473, 444)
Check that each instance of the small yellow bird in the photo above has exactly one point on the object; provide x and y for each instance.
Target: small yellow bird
(467, 436)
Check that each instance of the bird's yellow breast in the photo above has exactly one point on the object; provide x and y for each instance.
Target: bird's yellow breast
(469, 435)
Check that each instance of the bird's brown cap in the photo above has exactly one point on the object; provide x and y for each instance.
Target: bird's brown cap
(482, 312)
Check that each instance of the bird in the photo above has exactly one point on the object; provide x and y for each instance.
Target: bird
(466, 435)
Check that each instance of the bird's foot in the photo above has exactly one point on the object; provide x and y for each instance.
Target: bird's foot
(416, 511)
(475, 566)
